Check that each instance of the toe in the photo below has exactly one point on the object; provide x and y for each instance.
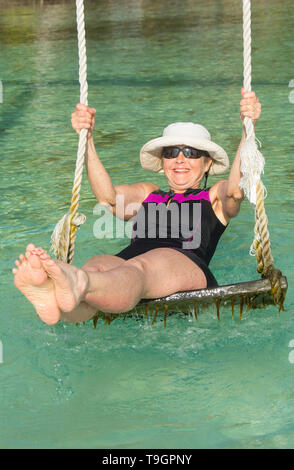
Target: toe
(17, 263)
(22, 258)
(35, 262)
(38, 251)
(15, 270)
(44, 255)
(30, 247)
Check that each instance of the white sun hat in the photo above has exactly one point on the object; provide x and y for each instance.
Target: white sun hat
(183, 133)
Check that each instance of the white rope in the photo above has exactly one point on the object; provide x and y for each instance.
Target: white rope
(63, 237)
(252, 161)
(252, 165)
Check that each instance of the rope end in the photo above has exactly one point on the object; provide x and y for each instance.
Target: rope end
(252, 165)
(60, 238)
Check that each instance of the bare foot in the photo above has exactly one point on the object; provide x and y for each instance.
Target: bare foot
(32, 280)
(69, 282)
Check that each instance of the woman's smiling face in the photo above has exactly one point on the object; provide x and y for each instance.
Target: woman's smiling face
(183, 173)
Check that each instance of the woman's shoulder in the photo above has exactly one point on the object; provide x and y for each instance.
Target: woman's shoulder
(140, 189)
(216, 203)
(151, 187)
(215, 190)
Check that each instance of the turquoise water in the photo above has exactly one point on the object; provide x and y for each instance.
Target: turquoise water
(130, 384)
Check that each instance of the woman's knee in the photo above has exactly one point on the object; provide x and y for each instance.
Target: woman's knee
(93, 265)
(101, 263)
(139, 264)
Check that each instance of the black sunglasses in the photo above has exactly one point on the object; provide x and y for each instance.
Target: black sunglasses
(189, 152)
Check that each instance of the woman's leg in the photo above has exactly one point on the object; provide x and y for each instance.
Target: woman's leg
(98, 263)
(157, 273)
(33, 281)
(102, 263)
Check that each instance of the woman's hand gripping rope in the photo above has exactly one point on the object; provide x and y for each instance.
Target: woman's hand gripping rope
(83, 117)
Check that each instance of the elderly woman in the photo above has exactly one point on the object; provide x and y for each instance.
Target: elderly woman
(175, 233)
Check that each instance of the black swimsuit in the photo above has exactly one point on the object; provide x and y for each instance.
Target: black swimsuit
(185, 222)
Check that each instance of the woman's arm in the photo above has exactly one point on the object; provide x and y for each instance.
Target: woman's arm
(121, 199)
(227, 195)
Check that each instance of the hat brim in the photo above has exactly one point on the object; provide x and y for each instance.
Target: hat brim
(151, 159)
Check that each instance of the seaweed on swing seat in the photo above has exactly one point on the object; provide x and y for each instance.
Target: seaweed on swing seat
(252, 295)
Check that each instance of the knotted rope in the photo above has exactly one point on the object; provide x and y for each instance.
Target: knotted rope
(63, 237)
(252, 164)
